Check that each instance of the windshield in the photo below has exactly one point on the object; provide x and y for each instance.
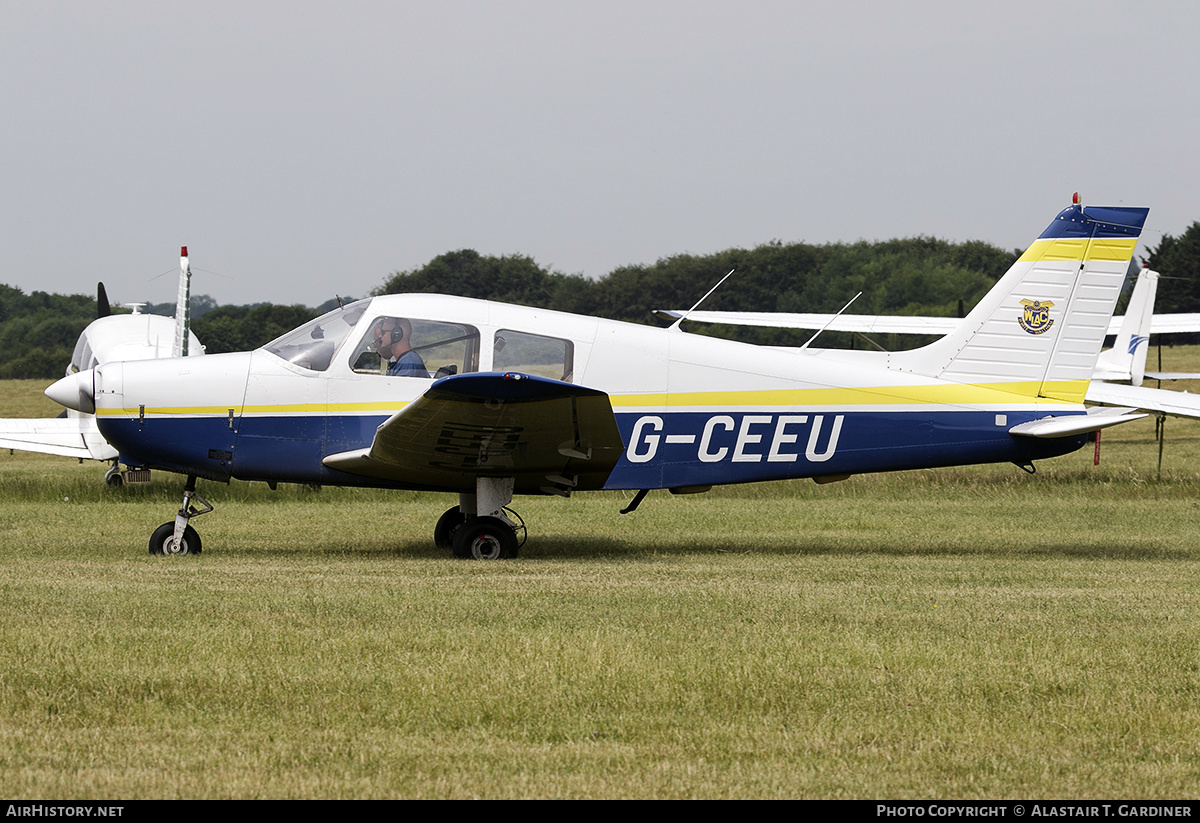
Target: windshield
(313, 345)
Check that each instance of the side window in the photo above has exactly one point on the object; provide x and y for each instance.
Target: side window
(407, 347)
(534, 354)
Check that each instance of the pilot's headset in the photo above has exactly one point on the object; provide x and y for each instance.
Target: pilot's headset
(394, 334)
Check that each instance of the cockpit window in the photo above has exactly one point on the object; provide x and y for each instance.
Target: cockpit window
(534, 354)
(312, 345)
(408, 347)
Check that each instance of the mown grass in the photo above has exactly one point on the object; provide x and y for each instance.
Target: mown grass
(973, 632)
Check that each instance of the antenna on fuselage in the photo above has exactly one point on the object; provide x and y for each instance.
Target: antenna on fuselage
(830, 320)
(683, 316)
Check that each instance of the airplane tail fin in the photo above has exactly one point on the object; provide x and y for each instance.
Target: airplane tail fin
(103, 309)
(1039, 331)
(1126, 360)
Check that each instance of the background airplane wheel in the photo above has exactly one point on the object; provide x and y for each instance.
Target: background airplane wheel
(160, 541)
(447, 525)
(485, 538)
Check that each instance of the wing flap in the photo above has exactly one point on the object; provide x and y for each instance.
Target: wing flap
(550, 436)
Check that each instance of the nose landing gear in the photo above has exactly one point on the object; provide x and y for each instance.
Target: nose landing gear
(177, 537)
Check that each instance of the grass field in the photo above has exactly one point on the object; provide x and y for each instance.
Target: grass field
(966, 633)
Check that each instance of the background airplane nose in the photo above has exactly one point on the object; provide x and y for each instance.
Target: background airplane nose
(75, 391)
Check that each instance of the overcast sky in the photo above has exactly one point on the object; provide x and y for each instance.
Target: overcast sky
(303, 149)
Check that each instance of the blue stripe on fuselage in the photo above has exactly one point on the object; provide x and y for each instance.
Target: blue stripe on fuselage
(661, 449)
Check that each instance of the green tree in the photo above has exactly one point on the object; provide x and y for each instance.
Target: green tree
(466, 273)
(1177, 259)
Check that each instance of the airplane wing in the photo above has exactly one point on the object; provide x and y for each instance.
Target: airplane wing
(1174, 323)
(1163, 401)
(1173, 375)
(865, 323)
(65, 436)
(890, 324)
(550, 436)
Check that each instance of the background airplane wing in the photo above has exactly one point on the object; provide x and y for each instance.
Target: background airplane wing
(1176, 403)
(866, 323)
(1172, 375)
(550, 436)
(1174, 323)
(890, 324)
(65, 436)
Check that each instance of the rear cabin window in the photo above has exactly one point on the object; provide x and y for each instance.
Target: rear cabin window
(433, 349)
(534, 354)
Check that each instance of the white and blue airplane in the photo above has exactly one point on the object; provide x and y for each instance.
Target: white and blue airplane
(511, 400)
(108, 338)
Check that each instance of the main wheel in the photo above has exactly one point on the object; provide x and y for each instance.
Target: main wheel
(447, 525)
(485, 538)
(160, 541)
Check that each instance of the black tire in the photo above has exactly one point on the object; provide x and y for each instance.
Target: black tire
(447, 525)
(113, 480)
(160, 541)
(485, 538)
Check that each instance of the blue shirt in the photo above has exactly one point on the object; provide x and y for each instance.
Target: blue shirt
(409, 364)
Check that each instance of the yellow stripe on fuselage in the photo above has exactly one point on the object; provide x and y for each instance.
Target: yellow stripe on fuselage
(385, 407)
(948, 394)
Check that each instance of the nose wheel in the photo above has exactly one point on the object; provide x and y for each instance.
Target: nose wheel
(177, 536)
(163, 540)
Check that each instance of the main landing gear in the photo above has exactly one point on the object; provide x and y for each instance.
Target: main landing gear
(480, 527)
(177, 537)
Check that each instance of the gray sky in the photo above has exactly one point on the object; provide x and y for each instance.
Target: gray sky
(302, 149)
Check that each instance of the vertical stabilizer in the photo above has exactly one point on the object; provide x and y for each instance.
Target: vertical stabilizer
(183, 319)
(103, 309)
(1039, 331)
(1126, 360)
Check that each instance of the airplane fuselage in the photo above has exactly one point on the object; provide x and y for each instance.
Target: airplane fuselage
(692, 411)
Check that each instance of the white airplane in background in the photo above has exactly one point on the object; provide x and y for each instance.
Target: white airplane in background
(505, 400)
(1116, 380)
(108, 338)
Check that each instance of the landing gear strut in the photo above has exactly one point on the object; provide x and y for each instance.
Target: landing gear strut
(177, 537)
(480, 526)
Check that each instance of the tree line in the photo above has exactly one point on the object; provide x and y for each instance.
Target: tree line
(921, 275)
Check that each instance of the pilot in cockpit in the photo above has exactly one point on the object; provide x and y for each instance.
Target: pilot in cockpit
(392, 342)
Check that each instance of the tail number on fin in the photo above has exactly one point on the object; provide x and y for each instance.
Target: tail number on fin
(757, 437)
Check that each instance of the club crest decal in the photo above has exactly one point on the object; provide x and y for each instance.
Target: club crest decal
(1037, 316)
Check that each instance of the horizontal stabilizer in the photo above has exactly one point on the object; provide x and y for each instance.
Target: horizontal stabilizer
(1066, 426)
